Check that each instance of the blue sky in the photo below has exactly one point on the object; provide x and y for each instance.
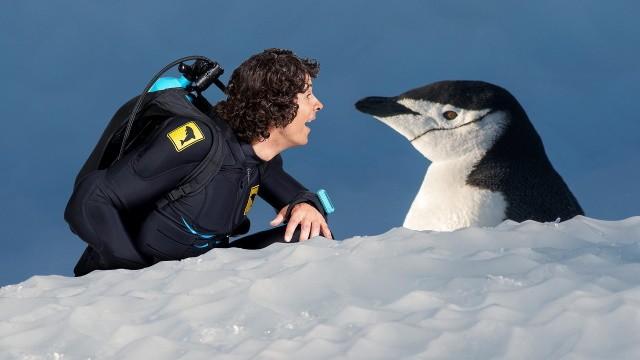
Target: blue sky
(68, 65)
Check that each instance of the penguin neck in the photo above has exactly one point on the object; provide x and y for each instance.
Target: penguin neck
(445, 173)
(445, 201)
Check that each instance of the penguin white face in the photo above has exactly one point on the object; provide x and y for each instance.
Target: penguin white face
(439, 130)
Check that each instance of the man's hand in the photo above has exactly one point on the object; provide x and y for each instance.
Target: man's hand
(308, 217)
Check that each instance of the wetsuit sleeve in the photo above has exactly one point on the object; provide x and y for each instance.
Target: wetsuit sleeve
(279, 189)
(108, 199)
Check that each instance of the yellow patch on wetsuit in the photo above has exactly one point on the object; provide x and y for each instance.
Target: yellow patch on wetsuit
(185, 135)
(252, 197)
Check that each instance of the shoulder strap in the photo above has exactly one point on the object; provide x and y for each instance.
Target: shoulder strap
(210, 165)
(201, 175)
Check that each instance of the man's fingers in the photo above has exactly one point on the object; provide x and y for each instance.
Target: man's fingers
(277, 220)
(326, 232)
(310, 221)
(304, 230)
(280, 217)
(315, 230)
(291, 228)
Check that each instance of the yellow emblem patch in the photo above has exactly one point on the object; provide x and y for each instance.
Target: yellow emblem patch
(184, 136)
(252, 197)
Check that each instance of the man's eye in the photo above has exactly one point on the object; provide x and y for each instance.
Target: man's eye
(450, 115)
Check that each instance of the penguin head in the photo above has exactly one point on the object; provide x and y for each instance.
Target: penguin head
(448, 119)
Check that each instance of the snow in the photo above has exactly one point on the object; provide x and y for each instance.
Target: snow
(528, 291)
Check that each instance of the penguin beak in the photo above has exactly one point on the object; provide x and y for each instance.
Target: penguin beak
(383, 107)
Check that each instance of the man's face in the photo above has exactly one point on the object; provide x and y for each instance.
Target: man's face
(297, 132)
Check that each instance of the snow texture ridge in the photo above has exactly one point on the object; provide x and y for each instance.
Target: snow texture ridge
(527, 291)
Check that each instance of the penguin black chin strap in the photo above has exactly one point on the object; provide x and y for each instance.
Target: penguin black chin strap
(202, 74)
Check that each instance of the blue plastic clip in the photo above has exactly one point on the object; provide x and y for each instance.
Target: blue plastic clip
(326, 201)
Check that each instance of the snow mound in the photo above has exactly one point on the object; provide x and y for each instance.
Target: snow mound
(526, 291)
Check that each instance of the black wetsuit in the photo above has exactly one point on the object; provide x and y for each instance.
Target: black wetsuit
(114, 210)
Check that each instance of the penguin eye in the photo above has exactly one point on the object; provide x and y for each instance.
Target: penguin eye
(450, 115)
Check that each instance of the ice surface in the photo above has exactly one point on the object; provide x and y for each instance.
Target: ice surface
(526, 291)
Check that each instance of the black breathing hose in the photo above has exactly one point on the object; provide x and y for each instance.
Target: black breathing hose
(136, 109)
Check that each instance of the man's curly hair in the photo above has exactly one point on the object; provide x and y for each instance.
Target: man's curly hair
(262, 93)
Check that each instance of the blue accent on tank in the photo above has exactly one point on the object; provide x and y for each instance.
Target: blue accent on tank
(202, 246)
(169, 83)
(323, 195)
(184, 81)
(204, 236)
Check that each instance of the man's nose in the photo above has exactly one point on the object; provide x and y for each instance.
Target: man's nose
(319, 105)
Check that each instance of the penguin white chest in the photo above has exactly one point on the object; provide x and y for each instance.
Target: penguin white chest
(445, 202)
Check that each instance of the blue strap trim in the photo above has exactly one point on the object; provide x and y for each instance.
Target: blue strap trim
(194, 232)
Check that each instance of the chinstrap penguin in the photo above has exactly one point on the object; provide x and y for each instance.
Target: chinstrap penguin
(488, 163)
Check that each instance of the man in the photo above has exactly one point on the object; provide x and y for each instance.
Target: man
(270, 102)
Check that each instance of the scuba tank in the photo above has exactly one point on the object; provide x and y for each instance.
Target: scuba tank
(138, 117)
